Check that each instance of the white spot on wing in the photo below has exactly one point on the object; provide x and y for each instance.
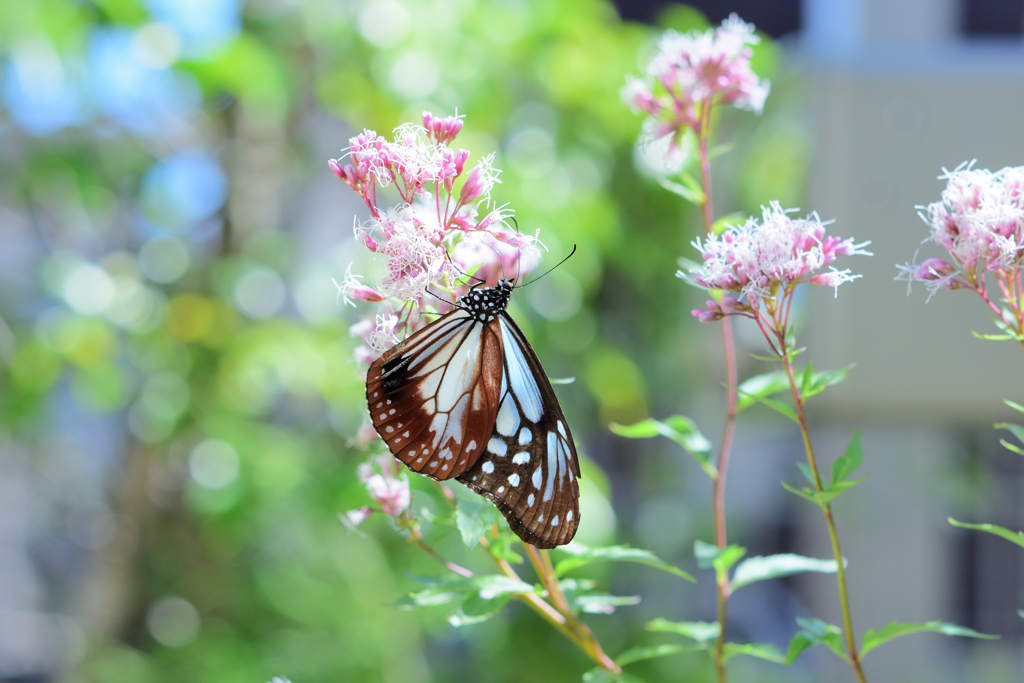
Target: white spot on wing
(521, 458)
(561, 429)
(525, 436)
(568, 516)
(536, 479)
(514, 479)
(554, 521)
(520, 378)
(530, 500)
(549, 490)
(508, 417)
(487, 467)
(497, 447)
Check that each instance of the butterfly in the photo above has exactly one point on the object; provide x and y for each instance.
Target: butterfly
(466, 398)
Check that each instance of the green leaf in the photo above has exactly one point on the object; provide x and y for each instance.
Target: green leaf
(815, 632)
(806, 379)
(1016, 406)
(725, 222)
(780, 408)
(700, 631)
(583, 555)
(638, 654)
(599, 675)
(822, 498)
(604, 604)
(1011, 447)
(491, 586)
(760, 568)
(759, 387)
(694, 196)
(873, 638)
(678, 428)
(1012, 536)
(561, 380)
(848, 463)
(710, 555)
(808, 473)
(475, 610)
(821, 380)
(474, 516)
(759, 650)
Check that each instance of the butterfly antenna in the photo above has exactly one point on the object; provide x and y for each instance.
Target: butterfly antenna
(449, 256)
(550, 269)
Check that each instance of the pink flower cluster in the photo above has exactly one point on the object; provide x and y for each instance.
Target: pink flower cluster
(980, 222)
(432, 220)
(763, 262)
(693, 72)
(391, 493)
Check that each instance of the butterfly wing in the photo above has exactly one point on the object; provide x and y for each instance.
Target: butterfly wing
(529, 468)
(434, 397)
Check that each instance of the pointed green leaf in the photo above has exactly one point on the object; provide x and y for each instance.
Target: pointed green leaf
(873, 638)
(805, 493)
(780, 408)
(759, 650)
(1012, 536)
(638, 654)
(599, 675)
(759, 387)
(700, 631)
(474, 516)
(1016, 406)
(815, 632)
(1011, 447)
(710, 555)
(822, 380)
(690, 195)
(582, 555)
(847, 464)
(604, 604)
(808, 473)
(491, 586)
(475, 610)
(678, 428)
(760, 568)
(806, 379)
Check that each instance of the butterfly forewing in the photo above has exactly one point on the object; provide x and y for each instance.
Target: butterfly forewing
(529, 466)
(434, 396)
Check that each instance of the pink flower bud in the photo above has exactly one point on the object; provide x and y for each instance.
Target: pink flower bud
(392, 494)
(354, 518)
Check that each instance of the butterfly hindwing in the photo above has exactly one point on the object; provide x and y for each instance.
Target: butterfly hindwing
(529, 466)
(434, 396)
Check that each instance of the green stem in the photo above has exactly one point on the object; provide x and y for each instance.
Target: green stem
(844, 601)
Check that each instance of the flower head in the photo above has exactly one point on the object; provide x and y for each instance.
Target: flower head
(762, 262)
(432, 221)
(695, 71)
(390, 492)
(979, 220)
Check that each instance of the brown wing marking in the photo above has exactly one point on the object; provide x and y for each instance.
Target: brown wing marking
(433, 396)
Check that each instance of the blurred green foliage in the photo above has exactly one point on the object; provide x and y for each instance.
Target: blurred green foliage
(194, 314)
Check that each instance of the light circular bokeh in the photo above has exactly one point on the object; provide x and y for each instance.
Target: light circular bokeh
(213, 464)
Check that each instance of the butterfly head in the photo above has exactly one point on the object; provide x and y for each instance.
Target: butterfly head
(485, 304)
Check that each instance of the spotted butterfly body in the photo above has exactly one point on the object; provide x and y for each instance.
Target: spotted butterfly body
(467, 398)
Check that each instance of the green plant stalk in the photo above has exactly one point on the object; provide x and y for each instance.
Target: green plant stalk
(731, 382)
(844, 601)
(561, 618)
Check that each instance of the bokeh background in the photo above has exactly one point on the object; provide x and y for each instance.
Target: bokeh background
(178, 400)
